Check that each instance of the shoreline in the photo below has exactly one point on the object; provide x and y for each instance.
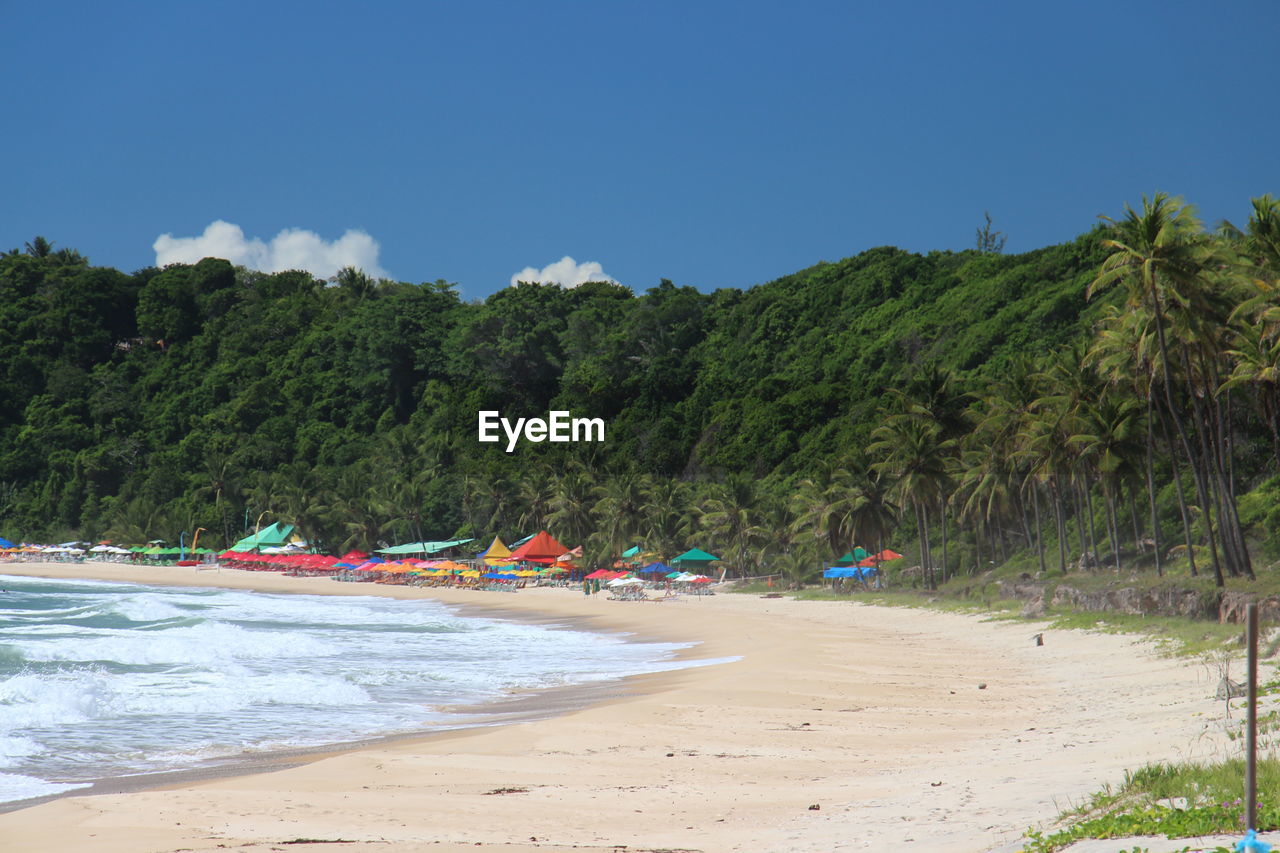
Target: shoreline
(924, 730)
(518, 706)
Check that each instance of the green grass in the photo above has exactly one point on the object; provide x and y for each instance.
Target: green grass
(1174, 635)
(1183, 636)
(1140, 806)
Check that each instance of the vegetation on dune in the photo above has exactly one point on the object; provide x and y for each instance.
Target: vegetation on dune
(1108, 401)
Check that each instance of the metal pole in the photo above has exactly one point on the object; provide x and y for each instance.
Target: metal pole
(1251, 723)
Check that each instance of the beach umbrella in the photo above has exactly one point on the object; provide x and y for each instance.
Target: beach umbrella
(888, 554)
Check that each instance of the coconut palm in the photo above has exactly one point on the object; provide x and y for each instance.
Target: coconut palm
(730, 515)
(1163, 260)
(912, 456)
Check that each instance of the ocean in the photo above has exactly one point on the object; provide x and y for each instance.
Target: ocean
(102, 680)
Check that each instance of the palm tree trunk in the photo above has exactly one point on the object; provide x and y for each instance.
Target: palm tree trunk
(1133, 519)
(1230, 513)
(1093, 533)
(1035, 500)
(943, 511)
(1026, 527)
(1079, 496)
(977, 547)
(1151, 490)
(1182, 499)
(1197, 474)
(1113, 526)
(922, 522)
(1056, 492)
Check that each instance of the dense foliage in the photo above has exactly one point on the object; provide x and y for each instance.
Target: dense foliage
(993, 399)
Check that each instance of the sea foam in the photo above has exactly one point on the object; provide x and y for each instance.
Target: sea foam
(100, 679)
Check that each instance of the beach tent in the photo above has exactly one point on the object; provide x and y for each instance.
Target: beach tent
(5, 543)
(851, 558)
(542, 548)
(695, 558)
(887, 554)
(495, 553)
(655, 569)
(274, 536)
(843, 572)
(423, 547)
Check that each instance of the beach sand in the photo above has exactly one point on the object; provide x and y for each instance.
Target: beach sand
(839, 727)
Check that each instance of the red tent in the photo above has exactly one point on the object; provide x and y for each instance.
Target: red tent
(888, 554)
(542, 548)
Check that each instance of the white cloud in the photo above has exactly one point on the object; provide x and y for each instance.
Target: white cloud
(291, 249)
(565, 272)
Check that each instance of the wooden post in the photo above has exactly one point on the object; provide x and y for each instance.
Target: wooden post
(1251, 722)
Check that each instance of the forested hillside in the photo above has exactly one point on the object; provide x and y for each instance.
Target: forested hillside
(766, 422)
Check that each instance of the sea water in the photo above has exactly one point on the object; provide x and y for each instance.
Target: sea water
(101, 680)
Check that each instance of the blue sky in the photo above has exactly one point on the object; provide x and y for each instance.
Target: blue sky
(717, 144)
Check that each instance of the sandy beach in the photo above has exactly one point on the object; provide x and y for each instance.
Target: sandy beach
(837, 727)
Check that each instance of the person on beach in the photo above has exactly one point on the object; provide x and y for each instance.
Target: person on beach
(586, 587)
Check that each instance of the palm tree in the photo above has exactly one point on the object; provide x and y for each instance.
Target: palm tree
(1110, 440)
(619, 509)
(1163, 259)
(912, 456)
(572, 497)
(221, 481)
(668, 518)
(1256, 365)
(39, 248)
(823, 505)
(730, 516)
(536, 497)
(874, 514)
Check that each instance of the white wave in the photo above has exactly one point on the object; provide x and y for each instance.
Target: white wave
(16, 746)
(14, 787)
(206, 643)
(259, 671)
(147, 608)
(34, 701)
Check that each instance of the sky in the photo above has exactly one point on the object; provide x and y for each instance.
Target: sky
(716, 144)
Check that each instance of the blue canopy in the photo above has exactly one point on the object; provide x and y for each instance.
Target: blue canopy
(5, 543)
(849, 572)
(655, 569)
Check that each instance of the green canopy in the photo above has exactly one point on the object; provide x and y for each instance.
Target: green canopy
(424, 547)
(851, 557)
(268, 537)
(632, 551)
(694, 555)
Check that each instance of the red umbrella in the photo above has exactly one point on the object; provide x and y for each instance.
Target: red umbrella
(887, 554)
